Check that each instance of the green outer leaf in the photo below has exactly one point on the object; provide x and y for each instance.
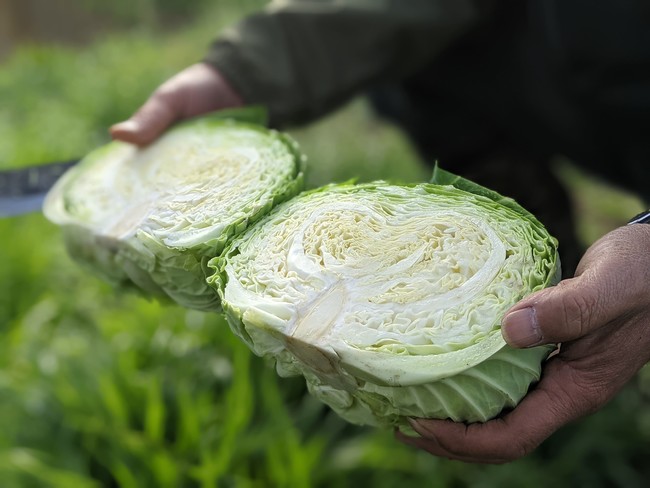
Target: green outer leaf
(473, 395)
(444, 177)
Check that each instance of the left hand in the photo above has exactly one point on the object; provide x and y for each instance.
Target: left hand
(601, 317)
(196, 90)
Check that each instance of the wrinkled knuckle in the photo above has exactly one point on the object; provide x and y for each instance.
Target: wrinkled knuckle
(594, 390)
(164, 90)
(489, 449)
(516, 450)
(167, 93)
(578, 312)
(577, 395)
(168, 97)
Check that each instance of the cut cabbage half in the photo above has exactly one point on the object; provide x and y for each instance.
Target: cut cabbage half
(389, 299)
(151, 217)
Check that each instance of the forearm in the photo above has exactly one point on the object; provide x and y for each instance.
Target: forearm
(303, 58)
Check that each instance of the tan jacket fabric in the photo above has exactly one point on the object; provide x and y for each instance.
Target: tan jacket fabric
(303, 58)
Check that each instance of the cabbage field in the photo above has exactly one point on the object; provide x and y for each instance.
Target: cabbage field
(100, 388)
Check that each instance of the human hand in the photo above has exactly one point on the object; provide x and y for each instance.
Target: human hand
(194, 91)
(601, 317)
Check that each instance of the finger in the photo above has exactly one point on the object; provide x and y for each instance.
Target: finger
(151, 120)
(563, 312)
(559, 398)
(433, 447)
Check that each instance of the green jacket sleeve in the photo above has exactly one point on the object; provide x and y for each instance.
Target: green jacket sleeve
(303, 58)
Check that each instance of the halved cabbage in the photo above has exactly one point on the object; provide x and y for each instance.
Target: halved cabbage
(389, 299)
(151, 217)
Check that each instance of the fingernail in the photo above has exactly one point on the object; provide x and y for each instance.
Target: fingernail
(127, 126)
(413, 422)
(418, 428)
(520, 328)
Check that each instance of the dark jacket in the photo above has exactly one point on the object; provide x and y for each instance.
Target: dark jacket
(544, 76)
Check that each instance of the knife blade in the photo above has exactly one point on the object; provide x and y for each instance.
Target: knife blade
(23, 190)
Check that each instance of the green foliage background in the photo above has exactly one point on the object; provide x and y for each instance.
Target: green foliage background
(103, 389)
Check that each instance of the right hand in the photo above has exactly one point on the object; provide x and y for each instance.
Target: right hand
(196, 90)
(601, 317)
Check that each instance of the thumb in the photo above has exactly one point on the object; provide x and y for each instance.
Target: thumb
(196, 90)
(562, 313)
(158, 113)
